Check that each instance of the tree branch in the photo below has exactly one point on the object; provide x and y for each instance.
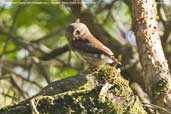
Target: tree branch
(55, 52)
(101, 91)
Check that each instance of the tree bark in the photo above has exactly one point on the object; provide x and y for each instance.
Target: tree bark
(155, 68)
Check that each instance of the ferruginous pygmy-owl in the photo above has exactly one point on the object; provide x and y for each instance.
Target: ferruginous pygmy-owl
(89, 47)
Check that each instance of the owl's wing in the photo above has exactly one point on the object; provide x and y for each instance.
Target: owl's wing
(88, 43)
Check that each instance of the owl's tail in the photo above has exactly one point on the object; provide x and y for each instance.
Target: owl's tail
(115, 62)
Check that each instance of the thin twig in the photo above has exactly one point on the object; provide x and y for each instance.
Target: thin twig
(9, 96)
(21, 77)
(157, 107)
(13, 82)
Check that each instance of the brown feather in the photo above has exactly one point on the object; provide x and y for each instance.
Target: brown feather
(93, 42)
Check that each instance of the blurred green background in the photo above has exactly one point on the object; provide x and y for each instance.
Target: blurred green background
(30, 32)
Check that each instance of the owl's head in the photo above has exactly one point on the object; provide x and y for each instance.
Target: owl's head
(76, 30)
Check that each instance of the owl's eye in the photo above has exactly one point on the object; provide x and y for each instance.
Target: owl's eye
(77, 32)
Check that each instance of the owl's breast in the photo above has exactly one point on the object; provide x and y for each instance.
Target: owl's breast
(95, 59)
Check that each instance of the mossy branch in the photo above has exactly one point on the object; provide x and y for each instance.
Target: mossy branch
(103, 91)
